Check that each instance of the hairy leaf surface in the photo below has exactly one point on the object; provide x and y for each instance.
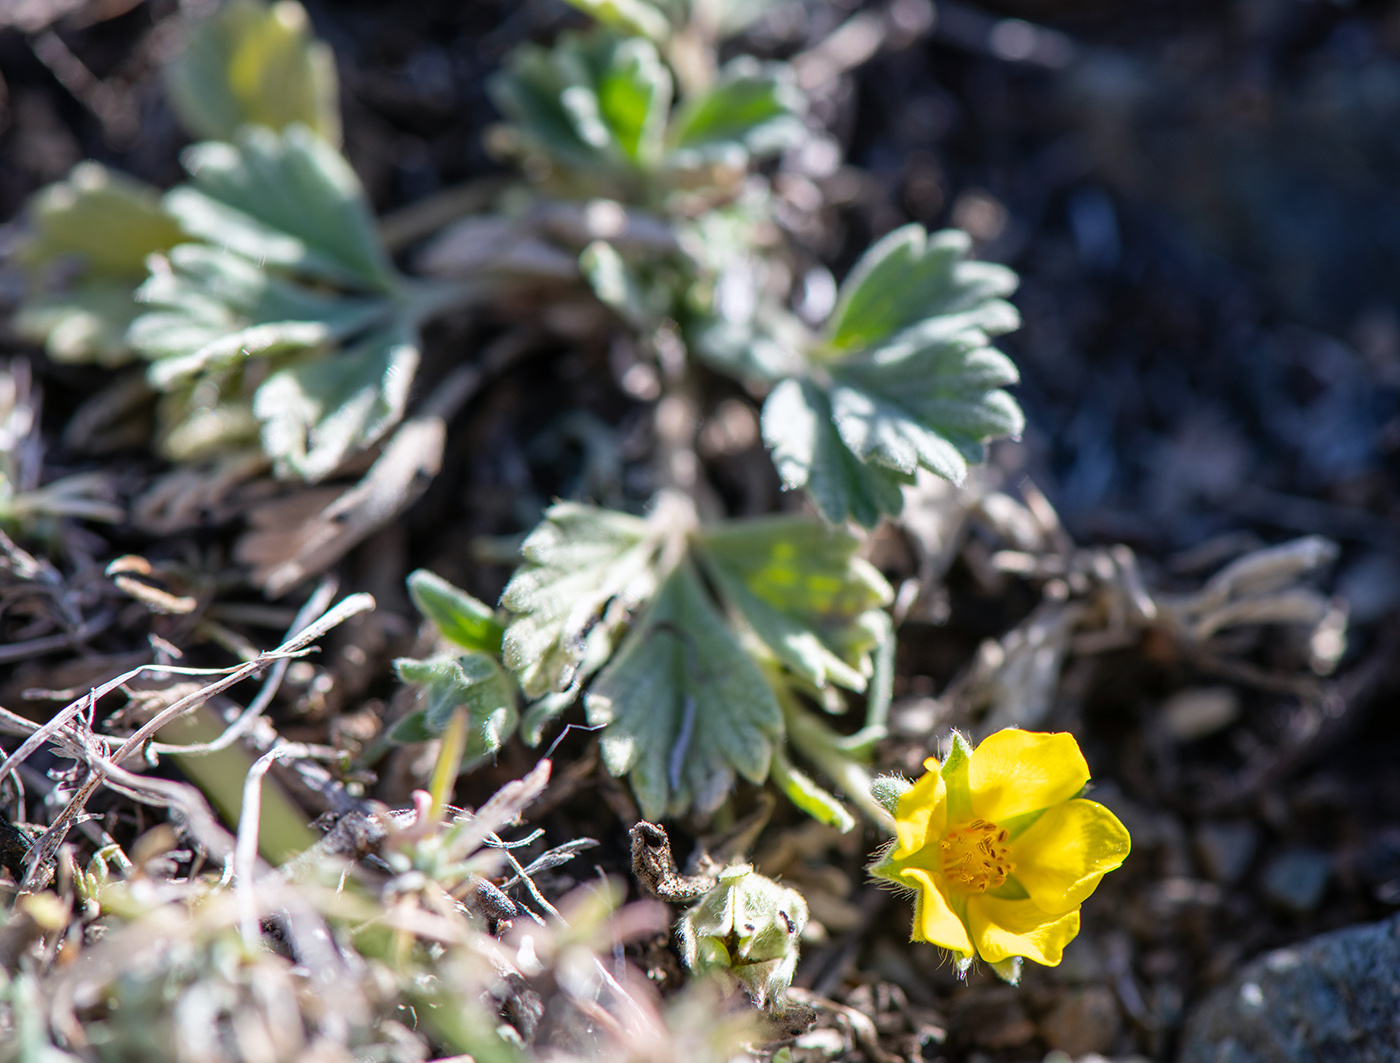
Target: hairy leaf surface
(684, 707)
(906, 378)
(585, 570)
(805, 593)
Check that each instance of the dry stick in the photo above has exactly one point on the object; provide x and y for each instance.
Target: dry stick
(245, 851)
(294, 647)
(315, 605)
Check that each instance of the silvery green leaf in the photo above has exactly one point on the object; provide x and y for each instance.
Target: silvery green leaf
(753, 109)
(322, 408)
(594, 102)
(801, 588)
(293, 273)
(808, 452)
(586, 569)
(911, 276)
(252, 63)
(448, 680)
(283, 200)
(905, 379)
(683, 706)
(90, 237)
(461, 619)
(211, 310)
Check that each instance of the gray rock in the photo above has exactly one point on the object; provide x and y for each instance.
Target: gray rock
(1332, 999)
(1296, 879)
(1226, 848)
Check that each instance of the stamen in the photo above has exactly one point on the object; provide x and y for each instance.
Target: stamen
(976, 857)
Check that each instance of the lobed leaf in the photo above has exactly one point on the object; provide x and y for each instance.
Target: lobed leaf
(293, 272)
(906, 379)
(91, 235)
(284, 200)
(448, 680)
(585, 570)
(595, 102)
(318, 411)
(805, 593)
(808, 452)
(753, 109)
(255, 64)
(912, 276)
(682, 705)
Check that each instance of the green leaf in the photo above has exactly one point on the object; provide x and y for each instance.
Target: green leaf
(803, 792)
(293, 273)
(210, 310)
(251, 63)
(287, 201)
(805, 593)
(629, 16)
(585, 571)
(808, 452)
(91, 235)
(448, 680)
(911, 276)
(684, 707)
(595, 102)
(752, 110)
(906, 380)
(462, 619)
(317, 412)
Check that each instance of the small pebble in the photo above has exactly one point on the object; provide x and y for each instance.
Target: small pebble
(1226, 848)
(1296, 879)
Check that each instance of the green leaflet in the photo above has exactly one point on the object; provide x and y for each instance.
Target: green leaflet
(684, 707)
(254, 64)
(585, 570)
(292, 272)
(596, 102)
(286, 200)
(752, 110)
(448, 680)
(595, 111)
(317, 411)
(911, 276)
(906, 378)
(91, 236)
(462, 619)
(801, 588)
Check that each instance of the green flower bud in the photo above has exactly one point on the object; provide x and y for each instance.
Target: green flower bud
(746, 925)
(888, 789)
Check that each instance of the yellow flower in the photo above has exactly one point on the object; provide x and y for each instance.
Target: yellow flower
(1000, 849)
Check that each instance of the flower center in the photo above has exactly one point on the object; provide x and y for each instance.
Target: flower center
(976, 857)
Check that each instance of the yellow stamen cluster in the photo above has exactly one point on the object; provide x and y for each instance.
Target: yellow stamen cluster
(976, 856)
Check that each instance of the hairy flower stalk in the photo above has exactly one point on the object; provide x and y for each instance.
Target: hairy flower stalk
(998, 847)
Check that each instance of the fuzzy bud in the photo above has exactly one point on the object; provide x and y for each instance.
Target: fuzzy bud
(888, 789)
(747, 925)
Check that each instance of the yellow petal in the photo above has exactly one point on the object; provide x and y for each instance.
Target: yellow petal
(1018, 928)
(934, 921)
(923, 813)
(1023, 771)
(1062, 855)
